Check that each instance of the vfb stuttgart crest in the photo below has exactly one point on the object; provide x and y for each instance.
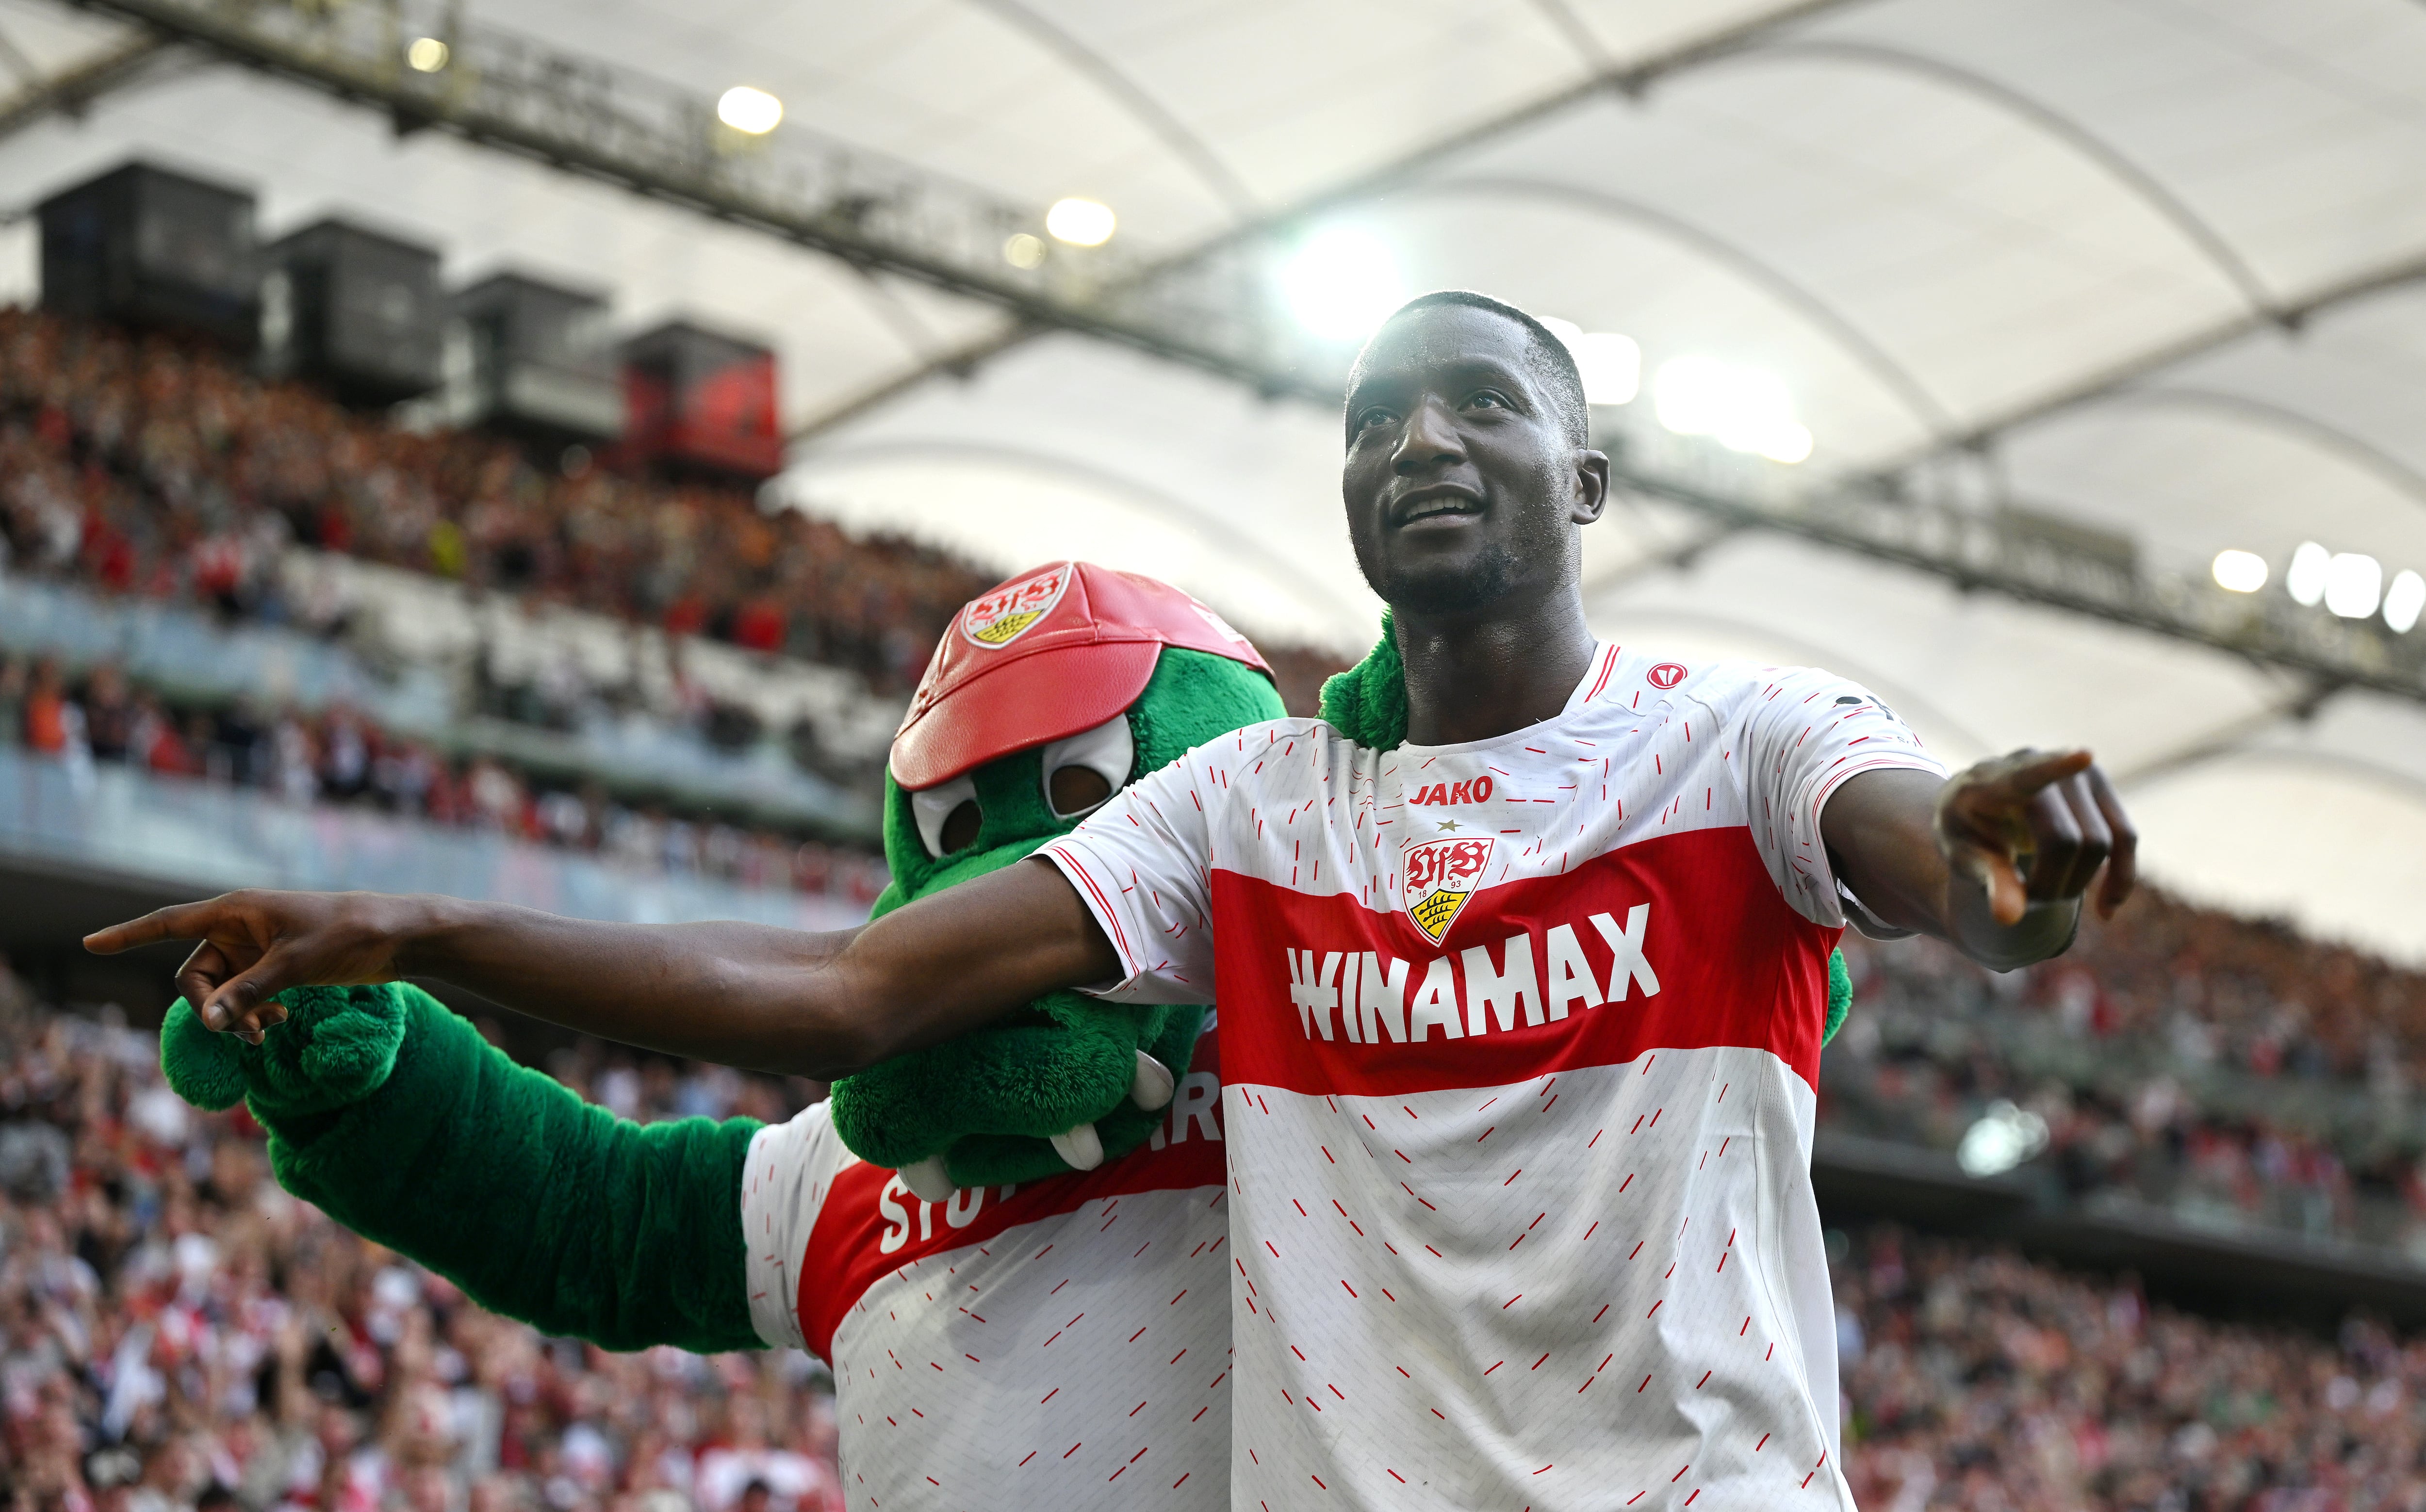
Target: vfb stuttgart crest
(1007, 613)
(1441, 876)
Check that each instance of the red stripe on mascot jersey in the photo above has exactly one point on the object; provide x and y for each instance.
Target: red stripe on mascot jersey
(871, 1226)
(1680, 941)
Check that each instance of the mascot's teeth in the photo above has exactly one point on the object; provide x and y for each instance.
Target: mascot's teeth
(1151, 1088)
(1079, 1148)
(929, 1180)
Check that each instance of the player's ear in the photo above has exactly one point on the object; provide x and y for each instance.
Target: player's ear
(1591, 487)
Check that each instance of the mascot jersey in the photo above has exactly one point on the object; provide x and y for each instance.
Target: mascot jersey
(1063, 1345)
(1520, 1040)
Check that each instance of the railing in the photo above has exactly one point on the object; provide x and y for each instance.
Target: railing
(195, 656)
(208, 838)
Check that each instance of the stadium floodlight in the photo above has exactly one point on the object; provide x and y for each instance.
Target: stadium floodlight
(1341, 283)
(2353, 585)
(2003, 1138)
(2305, 579)
(2403, 599)
(1610, 364)
(750, 112)
(426, 54)
(1080, 222)
(1745, 408)
(1024, 249)
(2241, 571)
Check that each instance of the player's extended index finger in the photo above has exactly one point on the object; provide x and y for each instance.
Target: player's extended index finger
(180, 921)
(2030, 777)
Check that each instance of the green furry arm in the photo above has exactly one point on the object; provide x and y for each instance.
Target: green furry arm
(540, 1206)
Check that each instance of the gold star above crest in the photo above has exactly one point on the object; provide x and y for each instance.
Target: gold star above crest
(1448, 824)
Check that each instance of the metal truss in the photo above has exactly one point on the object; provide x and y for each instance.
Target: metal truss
(78, 85)
(1208, 308)
(520, 95)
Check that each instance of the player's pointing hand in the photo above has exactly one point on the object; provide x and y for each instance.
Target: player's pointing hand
(255, 945)
(2036, 827)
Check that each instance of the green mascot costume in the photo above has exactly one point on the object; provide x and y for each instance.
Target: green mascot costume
(394, 1116)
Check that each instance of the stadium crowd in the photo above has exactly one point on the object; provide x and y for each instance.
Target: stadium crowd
(151, 466)
(1974, 1379)
(176, 1332)
(339, 757)
(2229, 1071)
(147, 465)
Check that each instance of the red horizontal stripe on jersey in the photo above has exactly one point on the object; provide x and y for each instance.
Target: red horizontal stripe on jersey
(1736, 967)
(846, 1254)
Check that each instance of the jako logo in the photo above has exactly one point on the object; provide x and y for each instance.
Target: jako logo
(1665, 675)
(1477, 791)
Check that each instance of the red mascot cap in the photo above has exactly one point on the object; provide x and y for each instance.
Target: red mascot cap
(1049, 653)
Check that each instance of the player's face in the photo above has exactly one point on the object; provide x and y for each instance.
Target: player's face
(1461, 483)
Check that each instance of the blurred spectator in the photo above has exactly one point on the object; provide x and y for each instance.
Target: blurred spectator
(2223, 1069)
(1980, 1381)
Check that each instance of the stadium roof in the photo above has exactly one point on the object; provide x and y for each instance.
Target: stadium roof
(2150, 266)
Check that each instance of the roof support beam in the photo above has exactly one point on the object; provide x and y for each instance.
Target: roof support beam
(2142, 185)
(1855, 342)
(72, 88)
(1629, 79)
(2291, 316)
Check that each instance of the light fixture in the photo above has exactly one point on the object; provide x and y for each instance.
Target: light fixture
(1023, 250)
(1746, 409)
(2305, 579)
(750, 112)
(2353, 585)
(2003, 1138)
(1610, 364)
(2403, 599)
(1080, 222)
(426, 54)
(1341, 283)
(2241, 571)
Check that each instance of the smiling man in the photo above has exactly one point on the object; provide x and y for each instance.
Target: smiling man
(1521, 1016)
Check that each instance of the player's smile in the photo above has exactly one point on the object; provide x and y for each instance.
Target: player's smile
(1435, 506)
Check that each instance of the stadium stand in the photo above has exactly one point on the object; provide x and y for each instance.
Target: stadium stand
(178, 1333)
(159, 467)
(1976, 1379)
(2225, 1072)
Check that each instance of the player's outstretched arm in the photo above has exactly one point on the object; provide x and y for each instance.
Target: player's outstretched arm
(1995, 859)
(821, 1006)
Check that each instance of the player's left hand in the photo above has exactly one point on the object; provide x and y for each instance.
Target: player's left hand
(2036, 827)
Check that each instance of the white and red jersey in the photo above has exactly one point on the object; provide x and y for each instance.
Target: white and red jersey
(1520, 1038)
(1062, 1346)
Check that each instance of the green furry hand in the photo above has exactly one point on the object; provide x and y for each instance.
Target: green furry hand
(336, 1046)
(1082, 1082)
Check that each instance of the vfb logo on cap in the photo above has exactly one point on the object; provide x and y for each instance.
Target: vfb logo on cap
(1441, 876)
(1011, 611)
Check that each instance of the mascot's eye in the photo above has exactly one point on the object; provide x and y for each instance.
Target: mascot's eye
(948, 817)
(1084, 769)
(1075, 790)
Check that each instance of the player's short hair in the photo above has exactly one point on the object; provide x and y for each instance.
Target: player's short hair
(1552, 364)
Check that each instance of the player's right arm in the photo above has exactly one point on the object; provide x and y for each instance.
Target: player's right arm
(821, 1006)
